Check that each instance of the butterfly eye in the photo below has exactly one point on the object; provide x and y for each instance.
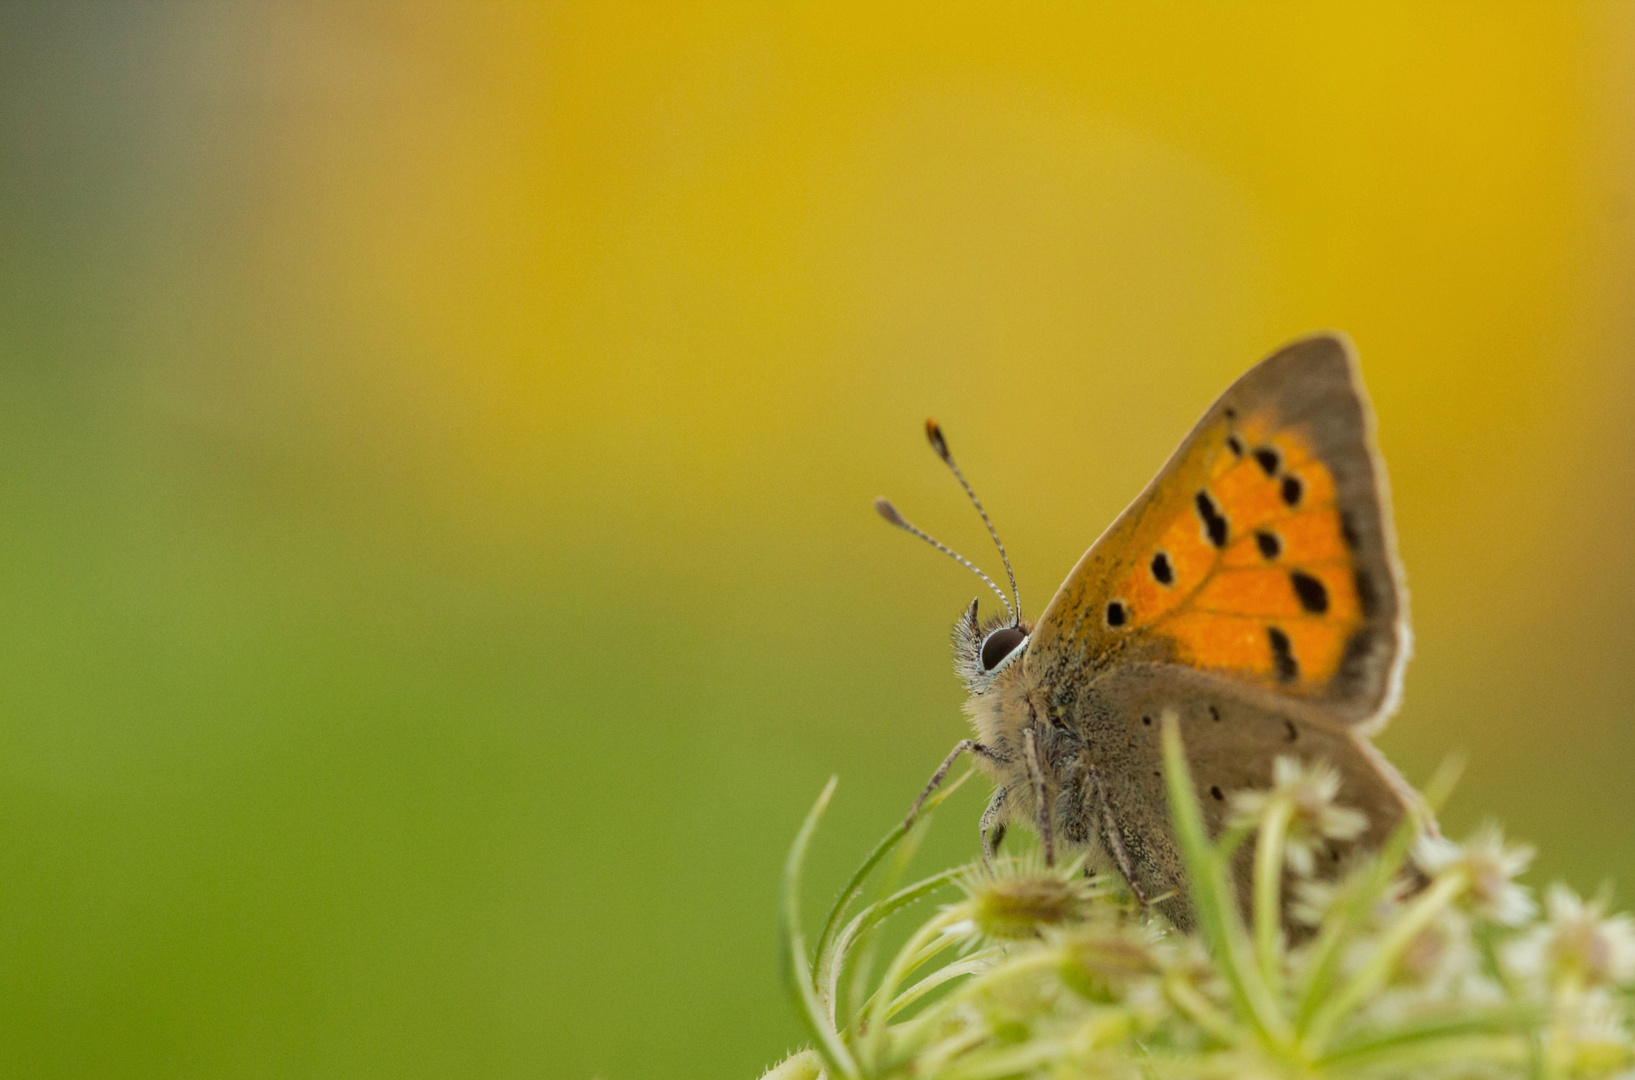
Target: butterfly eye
(1000, 644)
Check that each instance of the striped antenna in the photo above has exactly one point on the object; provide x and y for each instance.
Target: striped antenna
(933, 432)
(889, 512)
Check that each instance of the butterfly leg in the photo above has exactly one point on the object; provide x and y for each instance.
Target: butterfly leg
(942, 772)
(1113, 840)
(1041, 808)
(990, 829)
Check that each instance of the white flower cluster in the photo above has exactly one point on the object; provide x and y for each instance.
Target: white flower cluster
(1426, 959)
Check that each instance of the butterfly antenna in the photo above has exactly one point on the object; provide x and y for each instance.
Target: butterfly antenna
(889, 512)
(933, 432)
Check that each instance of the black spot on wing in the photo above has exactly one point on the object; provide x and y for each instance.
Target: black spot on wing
(1283, 661)
(1269, 460)
(1290, 732)
(1234, 444)
(1117, 613)
(1292, 490)
(1210, 515)
(1162, 571)
(1269, 543)
(1313, 596)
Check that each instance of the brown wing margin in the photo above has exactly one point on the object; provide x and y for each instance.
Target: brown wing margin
(1314, 384)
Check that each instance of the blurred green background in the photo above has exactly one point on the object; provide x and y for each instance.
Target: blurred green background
(436, 446)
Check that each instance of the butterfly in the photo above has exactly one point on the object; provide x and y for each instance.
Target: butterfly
(1252, 590)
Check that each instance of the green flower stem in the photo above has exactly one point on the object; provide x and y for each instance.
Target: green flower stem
(1426, 1035)
(855, 886)
(797, 974)
(1323, 962)
(1009, 1061)
(842, 954)
(1026, 964)
(1186, 997)
(1212, 895)
(1406, 1058)
(924, 955)
(1383, 959)
(911, 955)
(937, 978)
(910, 1036)
(1488, 950)
(1274, 828)
(1230, 839)
(1556, 1059)
(859, 964)
(804, 1065)
(931, 1060)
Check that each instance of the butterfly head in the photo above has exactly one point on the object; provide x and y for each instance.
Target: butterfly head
(984, 651)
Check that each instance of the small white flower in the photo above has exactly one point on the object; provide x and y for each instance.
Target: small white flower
(1315, 820)
(1438, 954)
(1315, 899)
(1488, 865)
(1579, 943)
(1437, 966)
(1590, 1035)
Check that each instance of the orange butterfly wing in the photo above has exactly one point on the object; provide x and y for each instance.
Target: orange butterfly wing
(1261, 551)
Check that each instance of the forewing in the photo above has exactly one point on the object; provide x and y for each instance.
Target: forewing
(1262, 551)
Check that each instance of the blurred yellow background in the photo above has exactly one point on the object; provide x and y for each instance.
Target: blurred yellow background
(436, 448)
